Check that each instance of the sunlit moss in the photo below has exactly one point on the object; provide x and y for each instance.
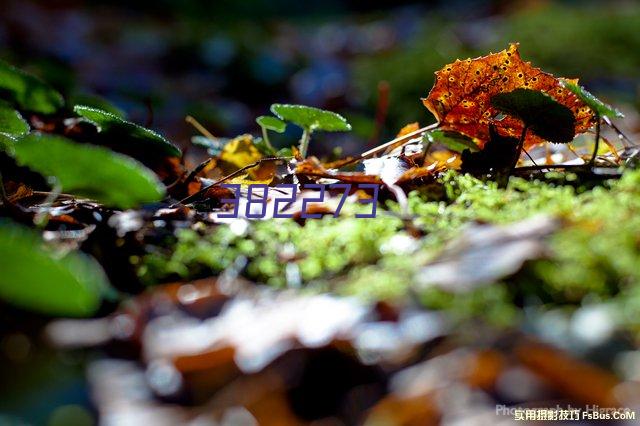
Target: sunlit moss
(594, 254)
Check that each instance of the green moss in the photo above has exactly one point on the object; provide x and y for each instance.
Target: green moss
(595, 254)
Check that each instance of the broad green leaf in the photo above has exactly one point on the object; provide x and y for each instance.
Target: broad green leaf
(452, 140)
(540, 113)
(97, 102)
(119, 128)
(11, 122)
(311, 118)
(90, 171)
(271, 123)
(37, 279)
(6, 143)
(28, 92)
(596, 105)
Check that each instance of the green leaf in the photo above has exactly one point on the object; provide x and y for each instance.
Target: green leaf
(28, 92)
(6, 143)
(37, 279)
(284, 152)
(596, 105)
(90, 171)
(264, 148)
(11, 122)
(119, 128)
(311, 118)
(452, 140)
(539, 112)
(271, 123)
(97, 102)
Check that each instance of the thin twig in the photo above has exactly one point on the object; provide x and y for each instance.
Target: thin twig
(194, 196)
(523, 135)
(199, 127)
(621, 135)
(3, 193)
(398, 140)
(530, 157)
(381, 110)
(41, 218)
(551, 166)
(595, 148)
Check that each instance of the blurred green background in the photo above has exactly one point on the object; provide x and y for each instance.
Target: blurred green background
(226, 62)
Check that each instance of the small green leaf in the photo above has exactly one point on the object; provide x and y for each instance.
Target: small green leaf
(119, 128)
(541, 113)
(264, 148)
(596, 105)
(284, 152)
(271, 123)
(90, 171)
(35, 278)
(11, 122)
(28, 92)
(452, 140)
(311, 118)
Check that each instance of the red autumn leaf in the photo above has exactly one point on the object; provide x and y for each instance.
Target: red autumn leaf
(461, 96)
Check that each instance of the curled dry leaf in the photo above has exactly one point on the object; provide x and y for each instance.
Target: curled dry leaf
(461, 96)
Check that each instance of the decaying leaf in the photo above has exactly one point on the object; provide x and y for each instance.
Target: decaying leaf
(409, 128)
(461, 96)
(486, 253)
(241, 152)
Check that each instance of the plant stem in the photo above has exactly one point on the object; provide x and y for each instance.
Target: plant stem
(304, 142)
(189, 119)
(519, 150)
(3, 193)
(42, 217)
(265, 138)
(595, 148)
(196, 195)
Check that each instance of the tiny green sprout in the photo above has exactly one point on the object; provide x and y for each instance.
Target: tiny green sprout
(270, 123)
(310, 119)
